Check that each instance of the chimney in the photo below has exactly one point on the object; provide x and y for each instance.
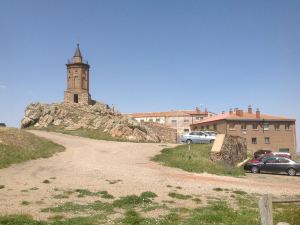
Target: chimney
(197, 110)
(240, 112)
(223, 112)
(250, 109)
(236, 109)
(206, 111)
(230, 111)
(257, 113)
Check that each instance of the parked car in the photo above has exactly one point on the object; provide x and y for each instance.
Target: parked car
(210, 133)
(282, 154)
(261, 152)
(197, 137)
(273, 164)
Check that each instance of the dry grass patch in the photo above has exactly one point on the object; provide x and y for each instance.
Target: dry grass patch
(18, 146)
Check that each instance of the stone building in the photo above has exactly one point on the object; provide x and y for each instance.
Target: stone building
(260, 131)
(77, 80)
(176, 119)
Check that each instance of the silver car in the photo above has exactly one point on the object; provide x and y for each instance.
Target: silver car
(197, 137)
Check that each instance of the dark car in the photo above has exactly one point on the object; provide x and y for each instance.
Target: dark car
(261, 152)
(273, 165)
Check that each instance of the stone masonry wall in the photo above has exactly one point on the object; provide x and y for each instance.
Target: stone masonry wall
(232, 151)
(165, 133)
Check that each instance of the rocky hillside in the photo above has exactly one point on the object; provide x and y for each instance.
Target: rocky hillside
(94, 117)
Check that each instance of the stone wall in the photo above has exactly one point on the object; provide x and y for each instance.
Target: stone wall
(165, 133)
(83, 97)
(229, 150)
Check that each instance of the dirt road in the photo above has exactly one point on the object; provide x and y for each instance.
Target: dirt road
(119, 168)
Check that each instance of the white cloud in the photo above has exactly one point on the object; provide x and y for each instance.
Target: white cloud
(2, 86)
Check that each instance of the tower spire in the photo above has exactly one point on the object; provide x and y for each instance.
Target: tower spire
(77, 58)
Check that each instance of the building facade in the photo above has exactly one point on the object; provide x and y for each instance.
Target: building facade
(77, 80)
(179, 119)
(261, 131)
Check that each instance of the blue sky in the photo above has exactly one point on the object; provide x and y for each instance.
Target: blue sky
(153, 55)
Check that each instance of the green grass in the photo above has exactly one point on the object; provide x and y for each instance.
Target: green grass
(61, 196)
(132, 218)
(105, 194)
(86, 192)
(218, 189)
(179, 196)
(148, 194)
(73, 207)
(219, 212)
(19, 146)
(196, 160)
(25, 203)
(239, 192)
(131, 201)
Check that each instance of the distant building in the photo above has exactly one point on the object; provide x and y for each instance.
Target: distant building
(77, 80)
(261, 131)
(177, 119)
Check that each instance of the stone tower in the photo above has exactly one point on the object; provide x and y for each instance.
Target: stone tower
(77, 80)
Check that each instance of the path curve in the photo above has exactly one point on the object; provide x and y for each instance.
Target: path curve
(94, 164)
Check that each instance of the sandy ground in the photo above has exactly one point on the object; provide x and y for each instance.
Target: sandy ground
(119, 168)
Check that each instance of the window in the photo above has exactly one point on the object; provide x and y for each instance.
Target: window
(271, 160)
(201, 118)
(276, 126)
(266, 126)
(207, 127)
(287, 126)
(76, 98)
(215, 126)
(150, 120)
(197, 117)
(202, 127)
(231, 126)
(186, 121)
(284, 150)
(186, 130)
(283, 160)
(157, 120)
(142, 120)
(254, 126)
(244, 126)
(173, 121)
(267, 140)
(254, 141)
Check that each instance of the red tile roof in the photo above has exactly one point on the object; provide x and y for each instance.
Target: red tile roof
(246, 116)
(167, 114)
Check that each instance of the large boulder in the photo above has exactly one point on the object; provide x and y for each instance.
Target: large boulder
(99, 116)
(229, 150)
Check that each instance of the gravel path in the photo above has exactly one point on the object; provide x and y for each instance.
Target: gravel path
(120, 168)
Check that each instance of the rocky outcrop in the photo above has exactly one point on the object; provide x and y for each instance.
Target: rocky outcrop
(165, 133)
(98, 116)
(229, 150)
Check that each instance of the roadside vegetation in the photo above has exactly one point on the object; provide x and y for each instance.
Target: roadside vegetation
(194, 160)
(235, 208)
(18, 146)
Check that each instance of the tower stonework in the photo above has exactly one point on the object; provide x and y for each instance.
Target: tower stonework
(77, 80)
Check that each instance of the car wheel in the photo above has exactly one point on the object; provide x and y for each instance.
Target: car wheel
(254, 169)
(291, 172)
(189, 141)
